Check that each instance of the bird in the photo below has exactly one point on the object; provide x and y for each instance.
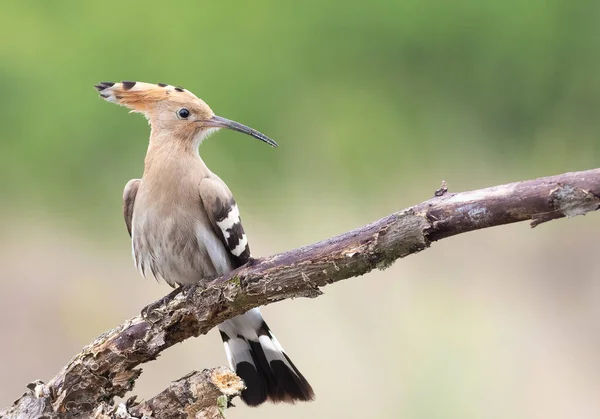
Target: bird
(185, 227)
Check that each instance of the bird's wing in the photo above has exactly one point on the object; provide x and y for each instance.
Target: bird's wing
(224, 216)
(129, 194)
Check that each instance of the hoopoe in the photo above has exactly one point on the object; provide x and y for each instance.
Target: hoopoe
(185, 227)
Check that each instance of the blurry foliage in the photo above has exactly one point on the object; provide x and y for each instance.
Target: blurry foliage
(360, 95)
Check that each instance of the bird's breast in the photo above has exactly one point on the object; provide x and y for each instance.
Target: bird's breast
(173, 240)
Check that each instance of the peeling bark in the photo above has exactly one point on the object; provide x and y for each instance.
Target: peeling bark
(108, 367)
(203, 394)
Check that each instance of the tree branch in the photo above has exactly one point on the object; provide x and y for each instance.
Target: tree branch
(207, 391)
(108, 367)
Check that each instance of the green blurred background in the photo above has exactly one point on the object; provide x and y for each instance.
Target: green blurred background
(373, 104)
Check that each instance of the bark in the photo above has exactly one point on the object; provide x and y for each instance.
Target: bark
(204, 394)
(109, 366)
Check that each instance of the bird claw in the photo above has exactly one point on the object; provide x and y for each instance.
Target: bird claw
(190, 291)
(162, 303)
(187, 290)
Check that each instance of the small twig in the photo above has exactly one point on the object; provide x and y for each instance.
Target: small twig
(443, 189)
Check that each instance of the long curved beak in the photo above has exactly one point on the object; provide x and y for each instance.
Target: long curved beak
(219, 122)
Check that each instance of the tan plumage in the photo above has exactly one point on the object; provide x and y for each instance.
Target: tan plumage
(185, 226)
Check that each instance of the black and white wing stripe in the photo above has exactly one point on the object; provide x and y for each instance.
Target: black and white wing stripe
(229, 223)
(224, 215)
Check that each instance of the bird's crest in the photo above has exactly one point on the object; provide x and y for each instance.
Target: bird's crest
(140, 96)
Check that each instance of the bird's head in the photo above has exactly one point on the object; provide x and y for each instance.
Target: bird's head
(172, 110)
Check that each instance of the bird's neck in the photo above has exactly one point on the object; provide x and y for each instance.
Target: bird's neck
(172, 157)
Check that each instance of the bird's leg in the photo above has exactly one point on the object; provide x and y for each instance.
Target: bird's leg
(160, 303)
(190, 290)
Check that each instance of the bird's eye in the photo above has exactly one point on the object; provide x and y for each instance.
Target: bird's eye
(183, 113)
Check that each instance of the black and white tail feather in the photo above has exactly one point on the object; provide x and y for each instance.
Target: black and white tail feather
(252, 350)
(258, 358)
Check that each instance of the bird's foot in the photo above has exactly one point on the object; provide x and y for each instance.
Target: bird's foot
(190, 291)
(150, 308)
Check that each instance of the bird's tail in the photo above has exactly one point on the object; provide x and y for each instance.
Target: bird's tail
(258, 358)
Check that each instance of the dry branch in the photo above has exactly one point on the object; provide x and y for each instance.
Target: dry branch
(207, 391)
(108, 367)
